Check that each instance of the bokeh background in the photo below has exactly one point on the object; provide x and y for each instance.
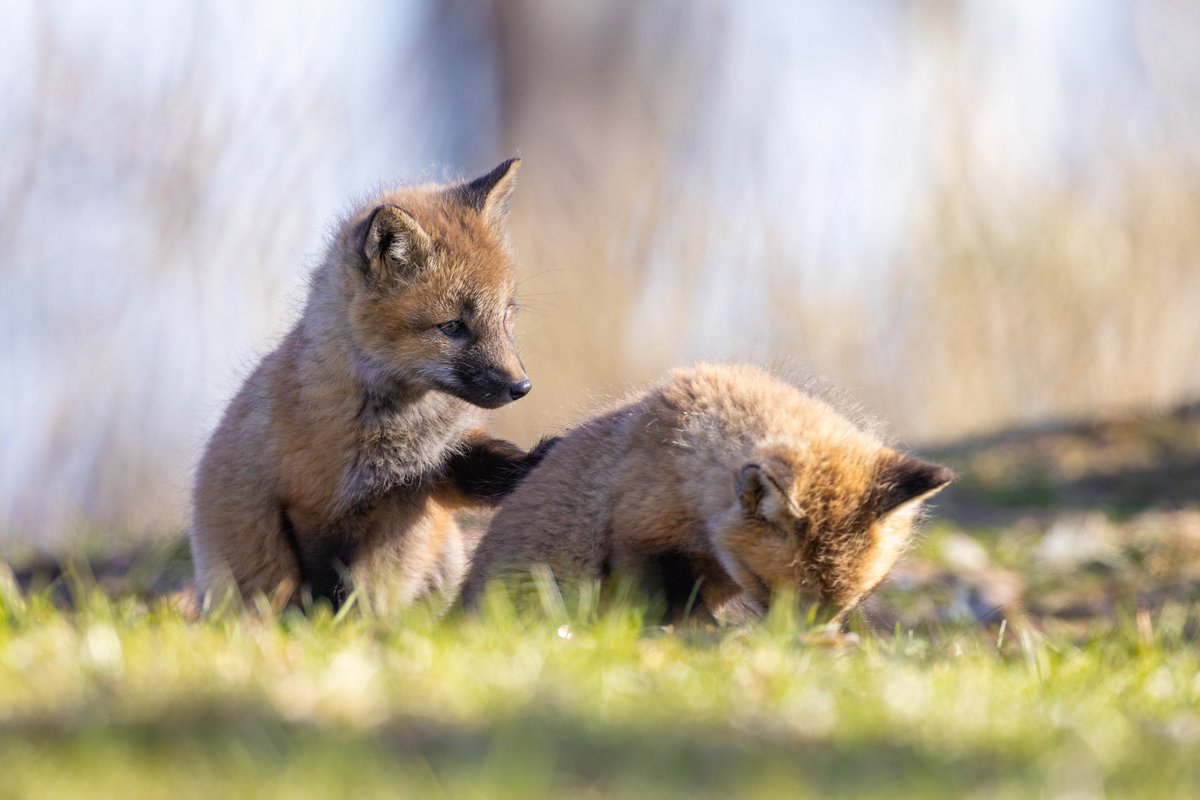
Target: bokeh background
(968, 215)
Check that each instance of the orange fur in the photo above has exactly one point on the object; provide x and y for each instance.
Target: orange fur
(341, 444)
(743, 482)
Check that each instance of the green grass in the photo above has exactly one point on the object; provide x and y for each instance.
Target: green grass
(1041, 640)
(124, 697)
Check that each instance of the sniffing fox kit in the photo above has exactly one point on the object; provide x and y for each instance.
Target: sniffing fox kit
(724, 478)
(350, 445)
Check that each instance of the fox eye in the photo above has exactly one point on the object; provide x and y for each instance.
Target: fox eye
(455, 328)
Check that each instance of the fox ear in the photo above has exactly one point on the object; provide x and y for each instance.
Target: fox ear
(905, 479)
(761, 492)
(393, 242)
(490, 194)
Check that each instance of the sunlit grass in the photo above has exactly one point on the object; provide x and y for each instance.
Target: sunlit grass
(123, 698)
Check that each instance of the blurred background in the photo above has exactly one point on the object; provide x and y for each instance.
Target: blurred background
(967, 215)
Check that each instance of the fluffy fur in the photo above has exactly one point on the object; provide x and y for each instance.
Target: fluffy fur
(722, 478)
(350, 446)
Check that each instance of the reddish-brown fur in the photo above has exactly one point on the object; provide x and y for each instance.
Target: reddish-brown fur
(353, 442)
(721, 475)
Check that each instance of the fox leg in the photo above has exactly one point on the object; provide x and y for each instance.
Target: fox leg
(325, 560)
(487, 470)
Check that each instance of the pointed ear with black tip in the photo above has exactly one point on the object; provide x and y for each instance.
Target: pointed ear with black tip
(490, 194)
(905, 480)
(761, 493)
(394, 243)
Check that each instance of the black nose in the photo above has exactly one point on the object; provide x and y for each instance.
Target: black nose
(520, 389)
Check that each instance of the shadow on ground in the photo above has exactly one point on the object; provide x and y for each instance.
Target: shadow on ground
(1119, 467)
(546, 752)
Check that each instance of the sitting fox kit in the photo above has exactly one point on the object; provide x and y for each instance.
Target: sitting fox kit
(351, 445)
(718, 488)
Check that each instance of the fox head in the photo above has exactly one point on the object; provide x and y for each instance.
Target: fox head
(820, 527)
(430, 284)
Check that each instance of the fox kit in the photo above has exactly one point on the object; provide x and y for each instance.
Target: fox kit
(721, 486)
(351, 445)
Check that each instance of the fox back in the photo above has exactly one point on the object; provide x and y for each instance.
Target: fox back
(724, 481)
(356, 439)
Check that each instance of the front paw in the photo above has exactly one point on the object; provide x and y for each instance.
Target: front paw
(539, 451)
